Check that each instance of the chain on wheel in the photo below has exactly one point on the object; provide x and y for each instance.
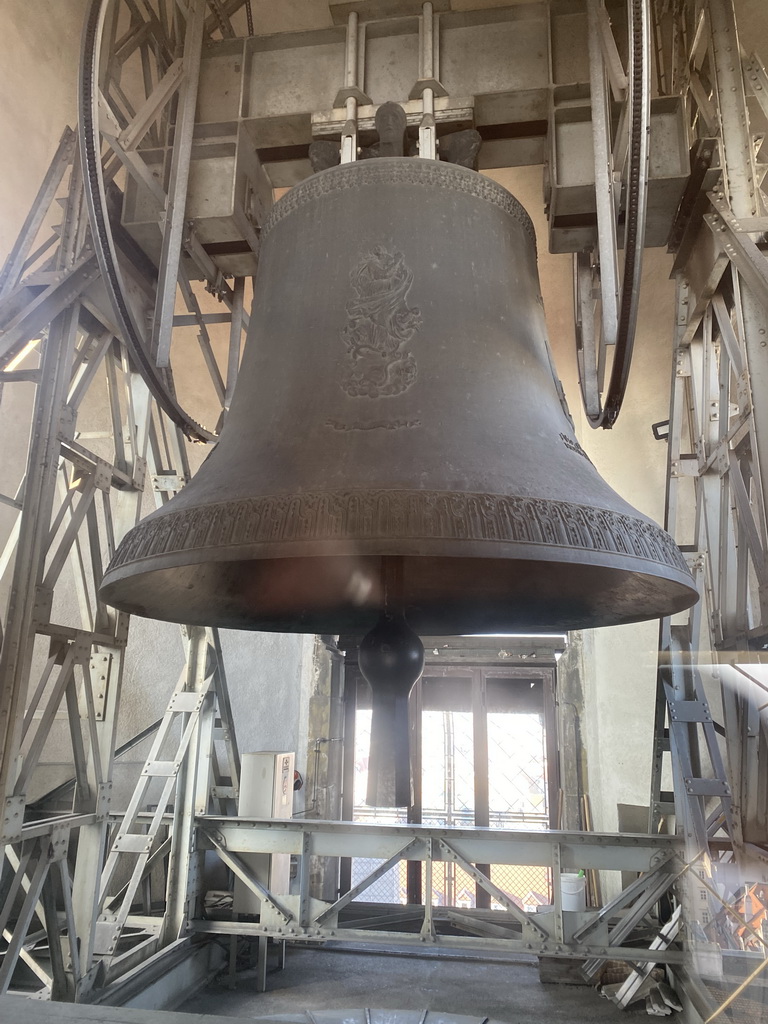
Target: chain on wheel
(597, 272)
(94, 86)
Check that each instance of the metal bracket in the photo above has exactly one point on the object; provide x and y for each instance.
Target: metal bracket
(103, 800)
(661, 430)
(351, 92)
(427, 83)
(13, 818)
(59, 844)
(43, 603)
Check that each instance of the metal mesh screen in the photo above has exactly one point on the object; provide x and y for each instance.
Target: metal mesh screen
(517, 787)
(517, 770)
(448, 768)
(390, 888)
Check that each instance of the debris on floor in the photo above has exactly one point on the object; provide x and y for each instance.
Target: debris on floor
(660, 998)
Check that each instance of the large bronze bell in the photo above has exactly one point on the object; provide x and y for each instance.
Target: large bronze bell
(398, 437)
(398, 450)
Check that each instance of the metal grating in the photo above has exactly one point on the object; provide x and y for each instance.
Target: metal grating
(517, 777)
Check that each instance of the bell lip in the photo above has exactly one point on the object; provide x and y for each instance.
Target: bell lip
(405, 548)
(673, 591)
(258, 557)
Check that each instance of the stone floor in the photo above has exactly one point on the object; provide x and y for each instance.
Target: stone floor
(320, 980)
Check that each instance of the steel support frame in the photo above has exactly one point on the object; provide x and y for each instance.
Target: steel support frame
(711, 713)
(298, 916)
(127, 120)
(59, 913)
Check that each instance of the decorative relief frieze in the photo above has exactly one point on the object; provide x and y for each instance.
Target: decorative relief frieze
(429, 174)
(412, 515)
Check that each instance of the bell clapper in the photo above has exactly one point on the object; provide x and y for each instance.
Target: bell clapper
(391, 659)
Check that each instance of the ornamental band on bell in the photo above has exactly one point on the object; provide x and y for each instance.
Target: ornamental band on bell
(368, 515)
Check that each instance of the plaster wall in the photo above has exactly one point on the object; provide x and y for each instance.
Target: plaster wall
(620, 688)
(38, 82)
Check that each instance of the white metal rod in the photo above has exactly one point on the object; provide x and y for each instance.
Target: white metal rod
(427, 44)
(350, 74)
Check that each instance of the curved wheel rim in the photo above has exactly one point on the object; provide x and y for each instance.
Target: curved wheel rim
(159, 382)
(602, 406)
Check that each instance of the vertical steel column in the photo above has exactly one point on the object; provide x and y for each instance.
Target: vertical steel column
(480, 748)
(427, 127)
(740, 182)
(351, 682)
(604, 187)
(235, 341)
(192, 793)
(177, 188)
(107, 662)
(740, 179)
(27, 601)
(416, 807)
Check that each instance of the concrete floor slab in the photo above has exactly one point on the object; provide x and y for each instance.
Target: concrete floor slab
(318, 980)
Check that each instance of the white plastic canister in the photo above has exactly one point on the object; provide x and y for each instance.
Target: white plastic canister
(573, 893)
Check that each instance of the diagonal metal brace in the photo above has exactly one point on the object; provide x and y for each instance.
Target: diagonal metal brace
(236, 864)
(368, 881)
(498, 894)
(654, 889)
(650, 886)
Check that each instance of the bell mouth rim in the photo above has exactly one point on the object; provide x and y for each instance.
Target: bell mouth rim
(156, 574)
(531, 594)
(524, 555)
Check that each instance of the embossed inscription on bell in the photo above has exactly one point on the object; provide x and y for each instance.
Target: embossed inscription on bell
(379, 326)
(396, 401)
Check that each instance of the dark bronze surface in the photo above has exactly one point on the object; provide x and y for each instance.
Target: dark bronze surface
(390, 125)
(397, 400)
(461, 148)
(324, 154)
(391, 659)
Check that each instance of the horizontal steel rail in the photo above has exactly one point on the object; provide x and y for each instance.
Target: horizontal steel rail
(600, 850)
(592, 933)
